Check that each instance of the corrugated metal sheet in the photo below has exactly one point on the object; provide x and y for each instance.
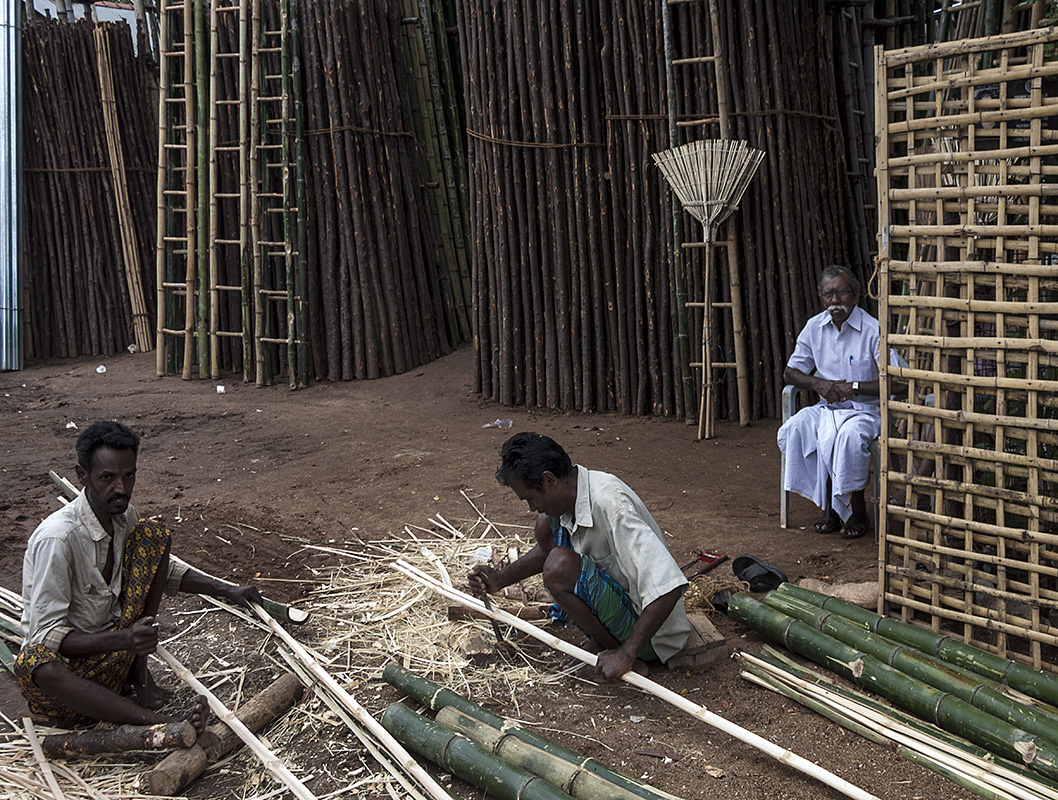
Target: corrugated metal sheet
(11, 346)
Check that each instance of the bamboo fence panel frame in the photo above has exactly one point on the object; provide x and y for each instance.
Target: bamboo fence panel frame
(969, 295)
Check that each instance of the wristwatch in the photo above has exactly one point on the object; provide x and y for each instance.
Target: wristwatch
(855, 388)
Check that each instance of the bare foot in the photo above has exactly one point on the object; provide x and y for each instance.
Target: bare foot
(199, 715)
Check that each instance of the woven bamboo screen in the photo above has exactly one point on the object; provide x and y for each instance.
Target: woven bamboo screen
(968, 285)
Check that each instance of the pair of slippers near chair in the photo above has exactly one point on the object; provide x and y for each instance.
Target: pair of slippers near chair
(854, 527)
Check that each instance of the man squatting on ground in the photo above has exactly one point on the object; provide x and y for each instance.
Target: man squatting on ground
(827, 445)
(602, 556)
(92, 582)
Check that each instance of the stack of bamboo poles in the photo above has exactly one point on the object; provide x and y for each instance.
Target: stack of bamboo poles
(78, 300)
(376, 302)
(953, 685)
(572, 245)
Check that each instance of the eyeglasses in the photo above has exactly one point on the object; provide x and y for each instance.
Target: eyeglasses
(834, 294)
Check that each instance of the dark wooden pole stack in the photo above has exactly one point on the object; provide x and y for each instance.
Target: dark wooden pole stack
(573, 281)
(571, 236)
(78, 301)
(375, 305)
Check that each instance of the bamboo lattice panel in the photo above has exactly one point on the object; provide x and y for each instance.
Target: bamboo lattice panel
(968, 284)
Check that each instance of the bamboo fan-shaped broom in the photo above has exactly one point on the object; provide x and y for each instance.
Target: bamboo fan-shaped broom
(710, 177)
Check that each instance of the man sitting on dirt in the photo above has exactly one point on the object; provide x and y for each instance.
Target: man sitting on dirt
(827, 445)
(92, 582)
(601, 553)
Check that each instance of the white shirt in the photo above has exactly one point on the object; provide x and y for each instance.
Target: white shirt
(610, 523)
(850, 354)
(62, 574)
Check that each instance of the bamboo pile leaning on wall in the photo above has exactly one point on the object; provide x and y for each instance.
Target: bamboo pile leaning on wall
(78, 298)
(571, 239)
(375, 284)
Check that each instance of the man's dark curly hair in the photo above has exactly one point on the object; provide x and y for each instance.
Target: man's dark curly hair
(528, 456)
(105, 433)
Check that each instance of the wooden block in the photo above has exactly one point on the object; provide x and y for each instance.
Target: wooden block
(704, 646)
(474, 648)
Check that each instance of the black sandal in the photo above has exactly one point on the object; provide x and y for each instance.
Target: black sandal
(857, 525)
(830, 522)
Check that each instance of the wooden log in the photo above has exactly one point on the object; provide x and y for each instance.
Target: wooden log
(163, 736)
(179, 769)
(279, 770)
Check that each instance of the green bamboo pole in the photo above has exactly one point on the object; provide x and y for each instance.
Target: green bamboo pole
(946, 710)
(1033, 682)
(951, 743)
(571, 778)
(984, 695)
(436, 697)
(465, 759)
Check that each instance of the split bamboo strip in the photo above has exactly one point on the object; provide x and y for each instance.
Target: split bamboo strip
(38, 753)
(370, 744)
(680, 702)
(311, 660)
(271, 762)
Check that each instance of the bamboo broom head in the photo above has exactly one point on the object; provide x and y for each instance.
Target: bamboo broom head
(709, 176)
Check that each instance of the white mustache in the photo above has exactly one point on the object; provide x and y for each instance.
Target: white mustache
(837, 308)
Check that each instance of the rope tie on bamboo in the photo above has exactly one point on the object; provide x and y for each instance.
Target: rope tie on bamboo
(356, 129)
(538, 145)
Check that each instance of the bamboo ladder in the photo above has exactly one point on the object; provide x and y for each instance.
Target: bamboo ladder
(709, 303)
(277, 228)
(229, 232)
(176, 255)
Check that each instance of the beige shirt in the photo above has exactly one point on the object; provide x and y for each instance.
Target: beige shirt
(611, 524)
(62, 574)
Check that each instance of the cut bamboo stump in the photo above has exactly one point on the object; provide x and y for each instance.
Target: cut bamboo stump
(705, 645)
(179, 769)
(162, 736)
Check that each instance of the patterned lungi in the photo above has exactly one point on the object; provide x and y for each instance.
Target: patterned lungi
(144, 550)
(606, 598)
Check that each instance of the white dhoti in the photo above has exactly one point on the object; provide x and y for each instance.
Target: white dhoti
(822, 443)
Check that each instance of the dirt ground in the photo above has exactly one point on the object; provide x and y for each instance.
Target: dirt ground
(244, 476)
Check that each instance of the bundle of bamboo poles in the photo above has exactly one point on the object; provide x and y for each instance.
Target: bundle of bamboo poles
(572, 242)
(81, 240)
(377, 292)
(946, 691)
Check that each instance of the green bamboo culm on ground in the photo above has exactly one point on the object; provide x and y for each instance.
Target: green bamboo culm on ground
(1033, 682)
(978, 692)
(463, 758)
(901, 718)
(571, 778)
(436, 697)
(946, 710)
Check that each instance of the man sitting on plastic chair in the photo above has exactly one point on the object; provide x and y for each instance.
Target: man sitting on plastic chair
(827, 446)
